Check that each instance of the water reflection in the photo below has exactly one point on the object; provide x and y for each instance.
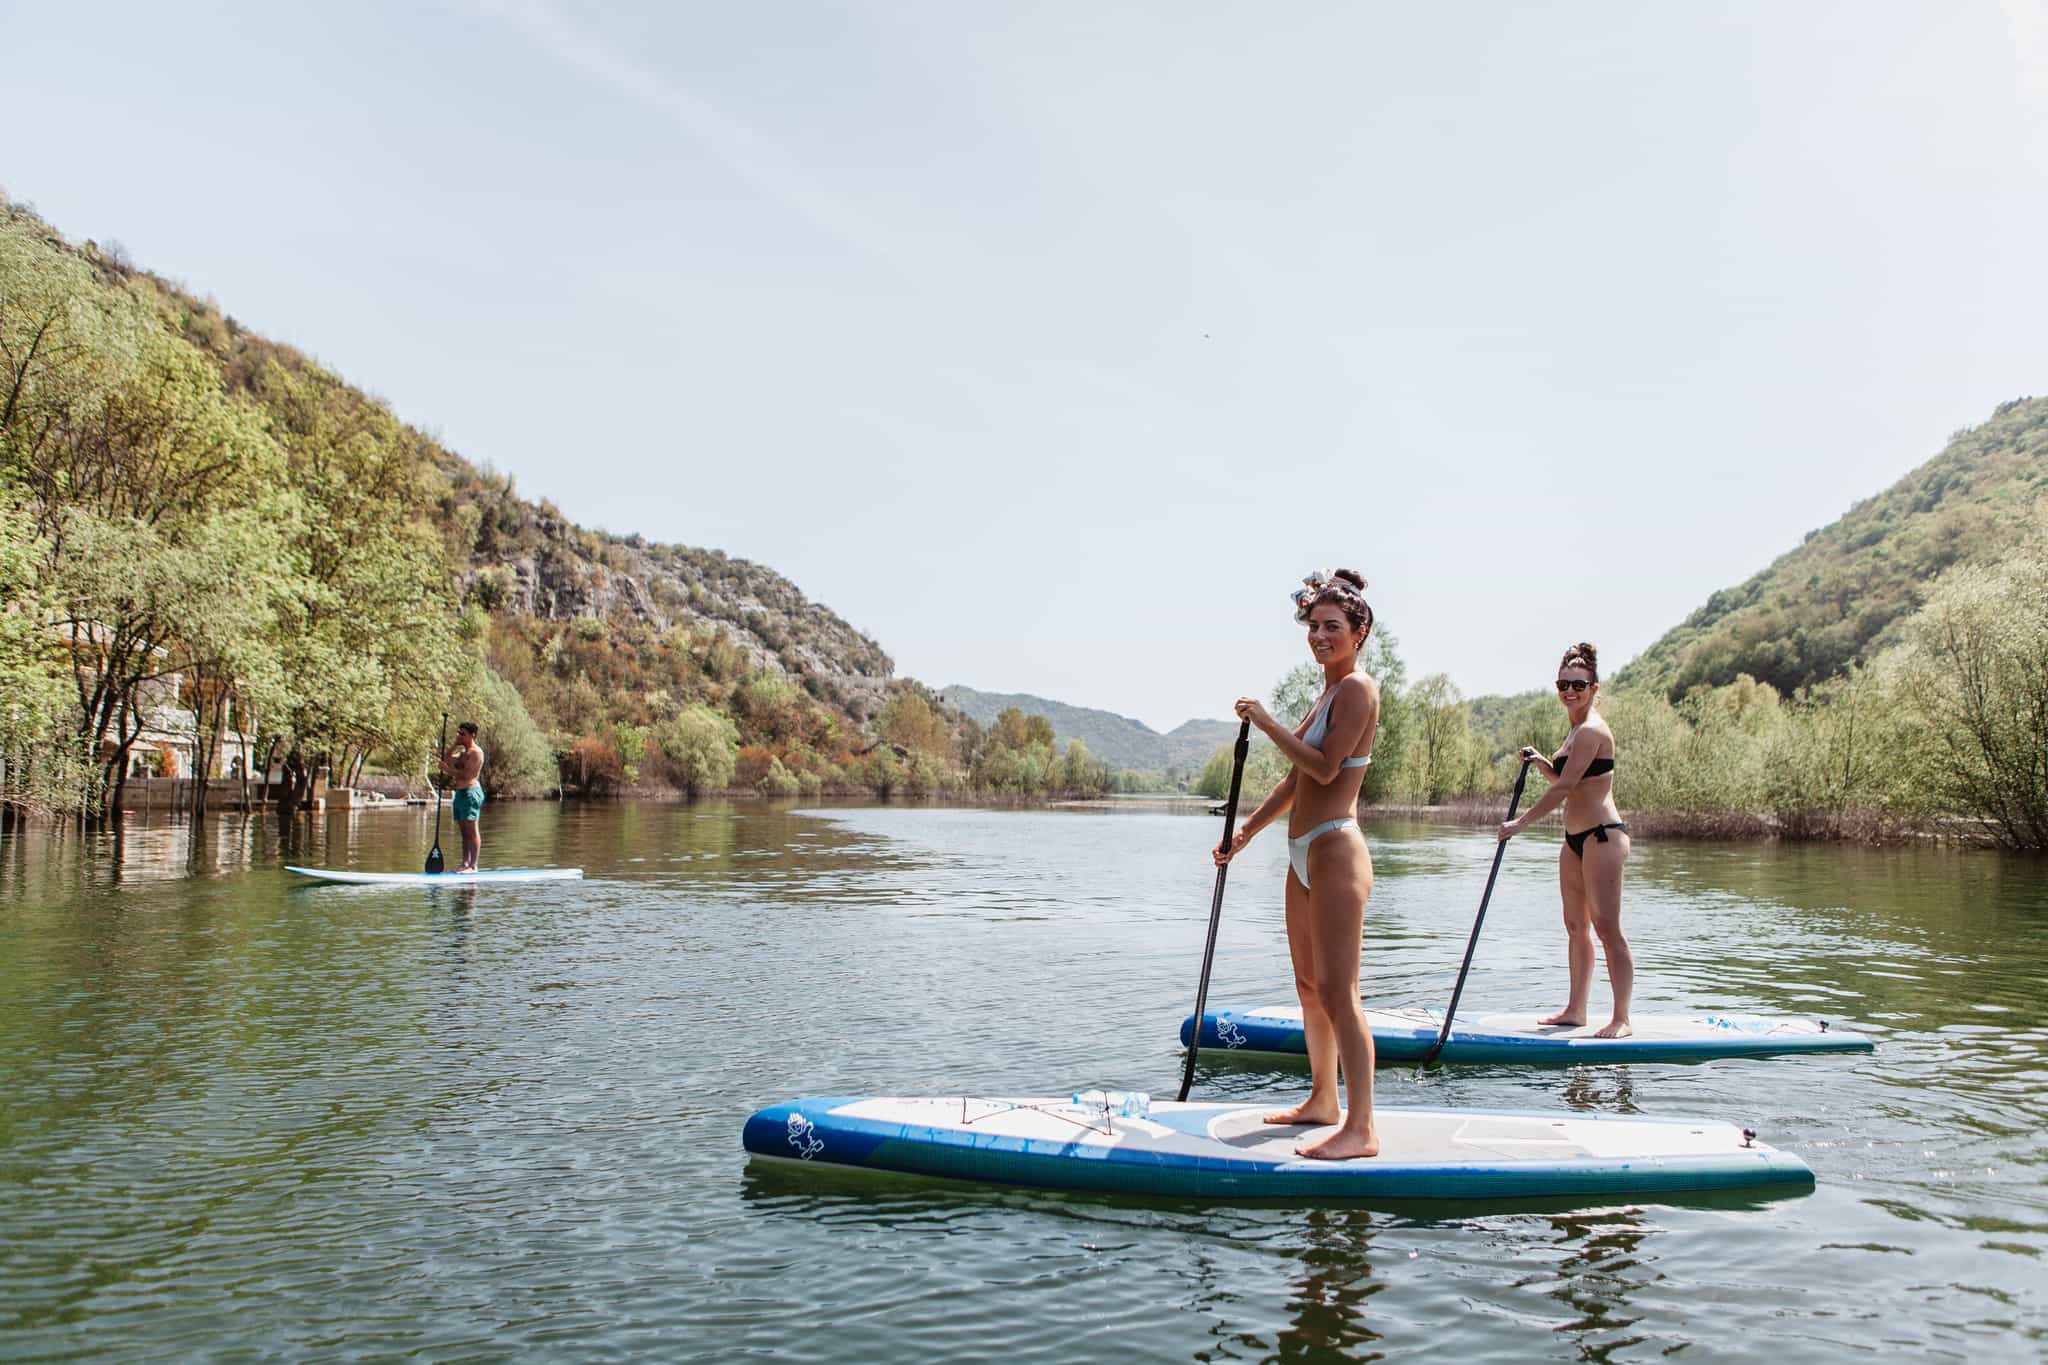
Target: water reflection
(1333, 1285)
(1603, 1265)
(1597, 1089)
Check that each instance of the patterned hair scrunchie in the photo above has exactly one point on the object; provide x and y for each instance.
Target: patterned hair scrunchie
(1320, 581)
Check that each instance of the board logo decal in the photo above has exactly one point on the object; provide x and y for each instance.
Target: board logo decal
(1231, 1035)
(803, 1135)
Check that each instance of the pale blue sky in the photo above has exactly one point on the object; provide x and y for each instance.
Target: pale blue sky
(1050, 344)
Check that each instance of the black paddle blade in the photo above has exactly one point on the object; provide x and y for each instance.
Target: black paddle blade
(434, 863)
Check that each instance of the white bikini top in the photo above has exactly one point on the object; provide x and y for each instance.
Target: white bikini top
(1319, 729)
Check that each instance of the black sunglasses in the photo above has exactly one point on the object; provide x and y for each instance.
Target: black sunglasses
(1572, 684)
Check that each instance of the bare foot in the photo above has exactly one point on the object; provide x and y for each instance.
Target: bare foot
(1308, 1111)
(1342, 1145)
(1618, 1029)
(1564, 1017)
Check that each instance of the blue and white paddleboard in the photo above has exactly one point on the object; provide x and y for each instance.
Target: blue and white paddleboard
(1407, 1035)
(502, 874)
(1223, 1151)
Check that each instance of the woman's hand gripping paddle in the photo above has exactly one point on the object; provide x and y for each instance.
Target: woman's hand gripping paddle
(1472, 945)
(434, 860)
(1244, 741)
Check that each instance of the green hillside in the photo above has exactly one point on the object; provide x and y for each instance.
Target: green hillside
(209, 533)
(1118, 740)
(1845, 593)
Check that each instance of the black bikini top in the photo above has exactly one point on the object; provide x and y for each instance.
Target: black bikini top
(1594, 769)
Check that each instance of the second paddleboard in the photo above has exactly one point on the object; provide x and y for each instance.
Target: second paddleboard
(1407, 1035)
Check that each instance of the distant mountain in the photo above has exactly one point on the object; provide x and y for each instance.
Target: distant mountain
(1841, 595)
(1119, 741)
(1197, 739)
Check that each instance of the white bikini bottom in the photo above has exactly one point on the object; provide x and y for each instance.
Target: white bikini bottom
(1297, 848)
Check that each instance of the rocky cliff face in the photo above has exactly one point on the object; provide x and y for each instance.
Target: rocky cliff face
(528, 558)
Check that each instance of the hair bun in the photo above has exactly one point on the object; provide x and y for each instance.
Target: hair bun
(1344, 587)
(1589, 654)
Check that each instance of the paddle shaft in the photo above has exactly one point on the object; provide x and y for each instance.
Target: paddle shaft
(1472, 944)
(1244, 742)
(434, 860)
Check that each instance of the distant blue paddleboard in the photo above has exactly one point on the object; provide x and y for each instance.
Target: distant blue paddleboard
(1222, 1151)
(502, 874)
(1407, 1035)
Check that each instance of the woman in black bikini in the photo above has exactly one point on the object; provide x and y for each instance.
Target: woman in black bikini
(1589, 867)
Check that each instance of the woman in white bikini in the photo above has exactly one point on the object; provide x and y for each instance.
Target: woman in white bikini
(1581, 777)
(1329, 872)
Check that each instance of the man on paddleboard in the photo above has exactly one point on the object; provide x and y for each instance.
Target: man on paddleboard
(462, 767)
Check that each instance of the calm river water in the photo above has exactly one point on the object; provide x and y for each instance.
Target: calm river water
(242, 1116)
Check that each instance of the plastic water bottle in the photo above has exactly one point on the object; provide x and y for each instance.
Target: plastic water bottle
(1131, 1104)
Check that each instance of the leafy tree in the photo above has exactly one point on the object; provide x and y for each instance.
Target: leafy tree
(1015, 730)
(1296, 692)
(776, 780)
(522, 763)
(31, 687)
(1505, 724)
(1214, 779)
(769, 708)
(1265, 767)
(60, 344)
(1976, 671)
(141, 480)
(375, 648)
(1134, 781)
(878, 771)
(924, 775)
(631, 742)
(1081, 773)
(1834, 763)
(1443, 757)
(229, 626)
(700, 748)
(909, 722)
(1390, 745)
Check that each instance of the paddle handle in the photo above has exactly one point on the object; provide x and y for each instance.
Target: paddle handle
(1244, 744)
(1472, 944)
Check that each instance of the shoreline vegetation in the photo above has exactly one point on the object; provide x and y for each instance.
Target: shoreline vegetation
(218, 560)
(1942, 735)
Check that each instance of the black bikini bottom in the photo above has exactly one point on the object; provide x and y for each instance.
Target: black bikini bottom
(1577, 842)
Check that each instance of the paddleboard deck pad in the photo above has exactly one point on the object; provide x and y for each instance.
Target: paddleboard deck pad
(1407, 1035)
(502, 874)
(1223, 1151)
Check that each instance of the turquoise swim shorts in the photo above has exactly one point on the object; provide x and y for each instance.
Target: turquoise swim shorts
(469, 803)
